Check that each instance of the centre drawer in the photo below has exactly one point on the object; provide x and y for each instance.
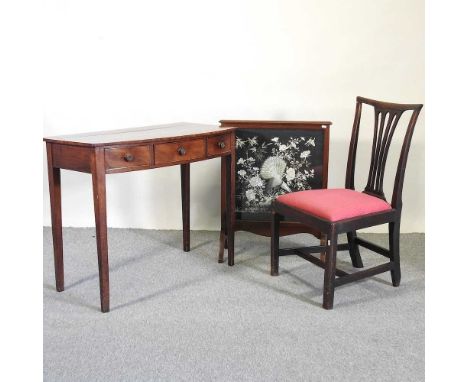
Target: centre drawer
(175, 152)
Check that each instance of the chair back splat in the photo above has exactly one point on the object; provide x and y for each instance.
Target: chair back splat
(386, 118)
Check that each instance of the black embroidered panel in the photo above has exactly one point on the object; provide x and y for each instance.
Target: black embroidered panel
(272, 162)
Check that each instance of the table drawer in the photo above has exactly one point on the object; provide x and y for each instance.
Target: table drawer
(171, 153)
(219, 144)
(128, 157)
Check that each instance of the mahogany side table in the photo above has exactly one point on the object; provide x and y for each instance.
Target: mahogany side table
(144, 148)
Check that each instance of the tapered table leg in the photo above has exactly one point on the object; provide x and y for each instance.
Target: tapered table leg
(99, 192)
(185, 192)
(229, 209)
(222, 233)
(56, 218)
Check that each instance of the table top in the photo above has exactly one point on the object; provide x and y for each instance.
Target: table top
(164, 132)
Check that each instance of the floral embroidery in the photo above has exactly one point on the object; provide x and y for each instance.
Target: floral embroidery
(256, 181)
(305, 154)
(310, 142)
(268, 166)
(250, 194)
(290, 174)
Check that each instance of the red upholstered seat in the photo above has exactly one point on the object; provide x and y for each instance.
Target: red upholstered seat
(334, 204)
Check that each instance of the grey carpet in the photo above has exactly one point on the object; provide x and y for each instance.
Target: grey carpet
(179, 316)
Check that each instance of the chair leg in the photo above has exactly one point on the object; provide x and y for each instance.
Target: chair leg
(394, 246)
(275, 220)
(354, 250)
(330, 270)
(323, 243)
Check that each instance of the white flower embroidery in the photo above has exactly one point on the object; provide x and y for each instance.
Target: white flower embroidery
(305, 154)
(290, 174)
(256, 181)
(241, 172)
(240, 161)
(239, 143)
(250, 194)
(310, 142)
(252, 141)
(283, 147)
(275, 139)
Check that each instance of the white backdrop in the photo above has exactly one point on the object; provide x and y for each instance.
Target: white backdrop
(117, 64)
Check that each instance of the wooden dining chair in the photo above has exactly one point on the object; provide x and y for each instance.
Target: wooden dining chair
(336, 211)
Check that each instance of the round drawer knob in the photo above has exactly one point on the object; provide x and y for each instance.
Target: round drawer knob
(221, 145)
(129, 157)
(181, 151)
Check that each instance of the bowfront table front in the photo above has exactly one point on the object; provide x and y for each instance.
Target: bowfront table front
(144, 148)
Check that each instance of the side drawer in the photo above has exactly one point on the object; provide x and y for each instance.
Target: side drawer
(175, 152)
(219, 144)
(127, 158)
